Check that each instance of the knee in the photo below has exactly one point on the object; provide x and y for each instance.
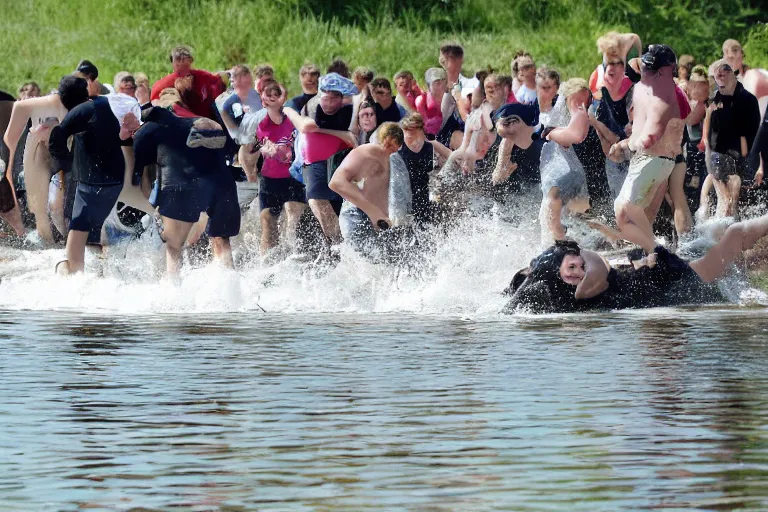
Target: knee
(220, 243)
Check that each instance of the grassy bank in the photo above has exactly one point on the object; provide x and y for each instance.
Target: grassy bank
(44, 39)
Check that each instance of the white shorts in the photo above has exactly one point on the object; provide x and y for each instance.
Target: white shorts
(645, 174)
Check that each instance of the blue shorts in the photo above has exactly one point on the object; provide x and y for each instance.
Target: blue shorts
(214, 194)
(91, 208)
(316, 180)
(275, 192)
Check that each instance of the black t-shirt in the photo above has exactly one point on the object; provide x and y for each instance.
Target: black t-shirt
(96, 157)
(419, 167)
(614, 113)
(592, 158)
(341, 120)
(391, 113)
(737, 116)
(163, 140)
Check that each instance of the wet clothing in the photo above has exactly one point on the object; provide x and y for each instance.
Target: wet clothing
(383, 246)
(96, 157)
(189, 180)
(646, 172)
(237, 108)
(738, 116)
(275, 192)
(615, 113)
(592, 158)
(92, 206)
(420, 165)
(671, 282)
(6, 192)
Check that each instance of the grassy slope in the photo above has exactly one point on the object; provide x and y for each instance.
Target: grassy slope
(44, 39)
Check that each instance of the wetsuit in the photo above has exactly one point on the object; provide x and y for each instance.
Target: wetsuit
(96, 162)
(189, 180)
(420, 165)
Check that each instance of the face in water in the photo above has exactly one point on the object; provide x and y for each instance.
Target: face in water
(331, 101)
(572, 269)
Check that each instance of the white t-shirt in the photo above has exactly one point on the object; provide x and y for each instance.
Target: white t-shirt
(467, 85)
(525, 95)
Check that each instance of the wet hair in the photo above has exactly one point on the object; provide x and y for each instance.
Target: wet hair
(263, 70)
(545, 73)
(340, 67)
(181, 51)
(381, 82)
(73, 90)
(390, 130)
(540, 287)
(309, 69)
(363, 73)
(452, 49)
(412, 121)
(240, 70)
(88, 69)
(403, 74)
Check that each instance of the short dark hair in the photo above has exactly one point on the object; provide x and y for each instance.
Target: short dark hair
(452, 49)
(88, 69)
(272, 87)
(363, 73)
(340, 67)
(73, 90)
(404, 74)
(263, 70)
(381, 82)
(545, 73)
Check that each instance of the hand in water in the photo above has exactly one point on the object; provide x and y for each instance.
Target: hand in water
(500, 176)
(616, 153)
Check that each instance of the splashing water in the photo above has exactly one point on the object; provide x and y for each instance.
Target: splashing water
(462, 274)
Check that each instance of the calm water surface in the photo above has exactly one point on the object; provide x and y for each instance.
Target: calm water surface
(632, 411)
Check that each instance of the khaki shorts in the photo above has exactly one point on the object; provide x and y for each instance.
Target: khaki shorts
(645, 173)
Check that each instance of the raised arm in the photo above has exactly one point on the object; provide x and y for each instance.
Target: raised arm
(302, 123)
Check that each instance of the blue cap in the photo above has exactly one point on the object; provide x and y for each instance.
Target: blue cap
(529, 114)
(334, 82)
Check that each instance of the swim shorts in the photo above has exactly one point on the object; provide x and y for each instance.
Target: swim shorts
(646, 173)
(721, 166)
(215, 194)
(316, 180)
(91, 208)
(275, 192)
(383, 246)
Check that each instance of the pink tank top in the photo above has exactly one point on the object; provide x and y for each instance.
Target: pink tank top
(430, 111)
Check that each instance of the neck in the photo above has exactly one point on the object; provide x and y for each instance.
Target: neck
(275, 114)
(530, 83)
(308, 91)
(385, 104)
(523, 140)
(453, 77)
(242, 93)
(417, 145)
(613, 87)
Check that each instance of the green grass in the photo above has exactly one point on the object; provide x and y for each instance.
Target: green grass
(44, 39)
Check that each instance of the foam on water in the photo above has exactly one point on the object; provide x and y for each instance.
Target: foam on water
(464, 275)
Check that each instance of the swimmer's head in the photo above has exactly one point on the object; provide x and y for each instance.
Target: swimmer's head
(572, 269)
(552, 277)
(390, 136)
(512, 118)
(73, 90)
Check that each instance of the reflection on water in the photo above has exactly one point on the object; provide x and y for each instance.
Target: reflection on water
(640, 410)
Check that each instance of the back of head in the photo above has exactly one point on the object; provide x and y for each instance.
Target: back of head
(412, 121)
(364, 74)
(340, 67)
(88, 69)
(73, 90)
(658, 56)
(452, 49)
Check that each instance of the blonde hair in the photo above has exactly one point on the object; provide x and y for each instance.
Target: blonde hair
(392, 131)
(572, 86)
(730, 44)
(610, 44)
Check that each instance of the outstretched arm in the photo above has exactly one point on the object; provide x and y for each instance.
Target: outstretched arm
(302, 123)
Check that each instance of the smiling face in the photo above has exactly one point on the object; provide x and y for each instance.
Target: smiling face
(614, 70)
(309, 83)
(572, 269)
(403, 85)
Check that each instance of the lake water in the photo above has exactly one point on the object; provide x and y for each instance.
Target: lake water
(661, 409)
(362, 388)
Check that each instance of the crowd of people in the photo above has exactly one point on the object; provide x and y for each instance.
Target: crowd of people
(647, 132)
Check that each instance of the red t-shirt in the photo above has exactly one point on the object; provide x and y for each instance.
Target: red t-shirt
(205, 87)
(281, 135)
(682, 102)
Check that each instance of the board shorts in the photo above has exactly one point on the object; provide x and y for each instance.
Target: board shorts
(91, 207)
(215, 194)
(721, 166)
(646, 173)
(275, 192)
(317, 175)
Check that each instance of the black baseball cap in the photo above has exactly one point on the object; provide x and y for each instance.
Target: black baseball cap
(658, 56)
(529, 114)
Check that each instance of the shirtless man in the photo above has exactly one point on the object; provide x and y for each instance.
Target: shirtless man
(655, 141)
(366, 210)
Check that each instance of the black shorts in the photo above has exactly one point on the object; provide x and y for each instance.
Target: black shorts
(6, 195)
(275, 192)
(91, 208)
(214, 194)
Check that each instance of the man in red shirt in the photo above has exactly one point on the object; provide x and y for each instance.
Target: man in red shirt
(198, 88)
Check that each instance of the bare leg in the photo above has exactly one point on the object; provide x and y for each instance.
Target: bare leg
(56, 203)
(703, 212)
(37, 177)
(652, 210)
(737, 238)
(683, 219)
(634, 225)
(198, 228)
(293, 211)
(13, 216)
(456, 138)
(328, 219)
(549, 214)
(222, 251)
(268, 231)
(734, 191)
(175, 233)
(75, 251)
(131, 195)
(723, 199)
